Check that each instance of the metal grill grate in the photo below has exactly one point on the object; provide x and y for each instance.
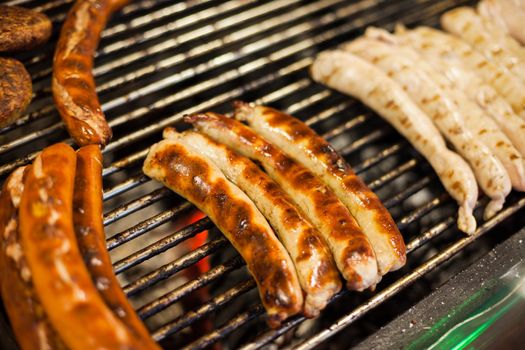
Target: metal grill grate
(159, 60)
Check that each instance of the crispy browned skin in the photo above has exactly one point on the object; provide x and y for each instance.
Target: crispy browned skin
(302, 143)
(60, 277)
(194, 178)
(89, 228)
(28, 320)
(352, 251)
(15, 90)
(74, 88)
(22, 29)
(313, 260)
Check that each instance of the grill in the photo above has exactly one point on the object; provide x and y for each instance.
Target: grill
(159, 60)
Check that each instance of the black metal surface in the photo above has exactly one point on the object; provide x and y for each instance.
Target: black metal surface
(462, 295)
(159, 60)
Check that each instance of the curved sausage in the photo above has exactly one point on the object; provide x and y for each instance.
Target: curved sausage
(436, 97)
(352, 252)
(313, 261)
(29, 322)
(465, 79)
(22, 29)
(15, 90)
(455, 51)
(509, 15)
(303, 144)
(352, 75)
(89, 229)
(487, 38)
(61, 279)
(73, 84)
(202, 183)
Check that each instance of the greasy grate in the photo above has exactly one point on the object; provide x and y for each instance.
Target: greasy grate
(159, 60)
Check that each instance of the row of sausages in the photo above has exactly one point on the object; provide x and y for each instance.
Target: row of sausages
(466, 87)
(298, 222)
(56, 276)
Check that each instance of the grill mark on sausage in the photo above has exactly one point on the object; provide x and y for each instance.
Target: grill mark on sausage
(329, 215)
(191, 176)
(73, 83)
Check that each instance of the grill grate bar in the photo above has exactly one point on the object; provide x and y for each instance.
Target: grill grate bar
(391, 290)
(291, 37)
(136, 205)
(208, 307)
(241, 71)
(176, 294)
(177, 59)
(163, 217)
(225, 330)
(162, 245)
(145, 226)
(408, 279)
(175, 266)
(169, 269)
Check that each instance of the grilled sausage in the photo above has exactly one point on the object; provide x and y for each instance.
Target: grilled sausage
(73, 83)
(28, 319)
(351, 250)
(301, 143)
(435, 96)
(22, 29)
(352, 75)
(15, 90)
(313, 261)
(61, 279)
(89, 229)
(456, 51)
(198, 180)
(465, 79)
(486, 38)
(509, 15)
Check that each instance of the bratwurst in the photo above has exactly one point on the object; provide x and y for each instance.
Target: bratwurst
(303, 144)
(197, 179)
(313, 261)
(351, 249)
(73, 84)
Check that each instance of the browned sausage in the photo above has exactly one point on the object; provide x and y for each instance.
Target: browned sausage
(28, 320)
(61, 279)
(15, 90)
(313, 260)
(197, 179)
(303, 144)
(74, 88)
(22, 29)
(89, 228)
(352, 252)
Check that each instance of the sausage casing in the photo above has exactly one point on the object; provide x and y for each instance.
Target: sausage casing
(303, 144)
(352, 75)
(487, 38)
(29, 322)
(73, 84)
(89, 229)
(61, 279)
(352, 252)
(463, 77)
(313, 261)
(435, 95)
(198, 180)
